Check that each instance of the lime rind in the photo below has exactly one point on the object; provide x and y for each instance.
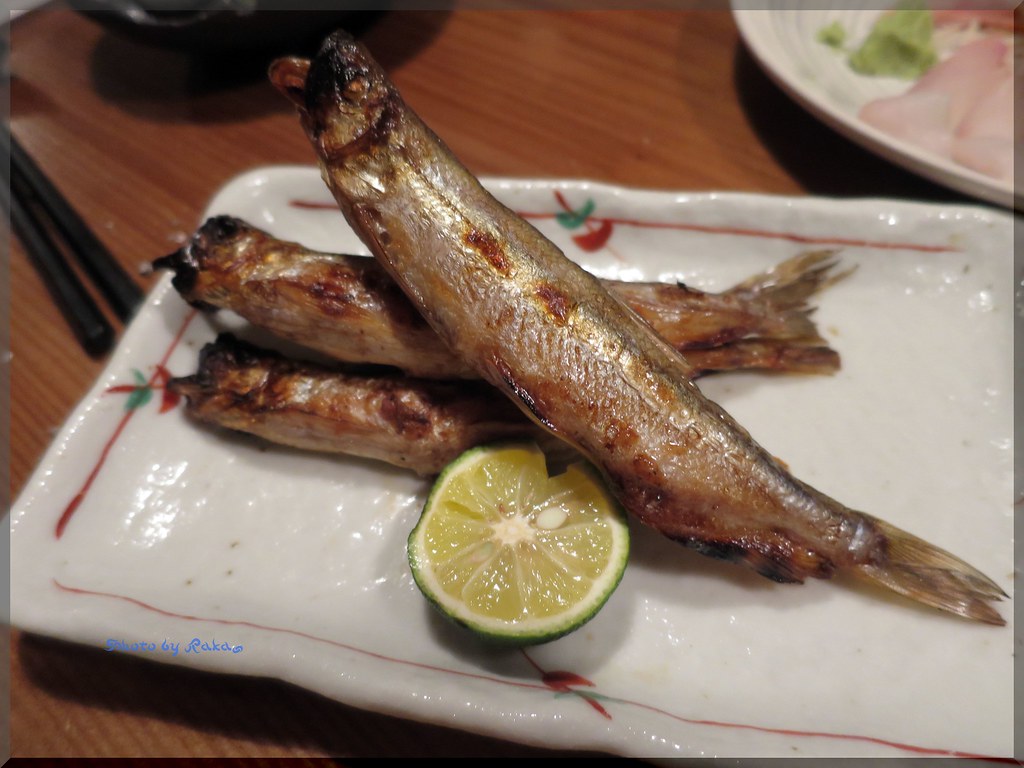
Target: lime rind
(535, 584)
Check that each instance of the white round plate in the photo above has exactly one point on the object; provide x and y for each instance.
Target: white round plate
(784, 42)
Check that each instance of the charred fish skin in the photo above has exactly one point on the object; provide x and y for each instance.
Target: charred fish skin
(346, 307)
(578, 361)
(343, 307)
(417, 424)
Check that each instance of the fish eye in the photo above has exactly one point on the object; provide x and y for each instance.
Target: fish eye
(356, 87)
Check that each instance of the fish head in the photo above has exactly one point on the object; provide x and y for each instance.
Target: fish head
(218, 246)
(344, 98)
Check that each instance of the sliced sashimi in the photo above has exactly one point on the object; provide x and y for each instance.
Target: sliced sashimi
(990, 156)
(960, 110)
(992, 116)
(921, 119)
(967, 76)
(1001, 19)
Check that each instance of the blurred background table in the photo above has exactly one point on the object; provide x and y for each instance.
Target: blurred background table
(139, 137)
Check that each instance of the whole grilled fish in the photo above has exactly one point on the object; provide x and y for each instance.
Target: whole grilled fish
(418, 424)
(576, 359)
(347, 307)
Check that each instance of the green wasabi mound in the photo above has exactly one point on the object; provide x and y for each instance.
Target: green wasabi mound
(900, 45)
(832, 35)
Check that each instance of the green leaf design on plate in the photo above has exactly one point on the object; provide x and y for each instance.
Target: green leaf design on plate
(142, 392)
(138, 398)
(574, 219)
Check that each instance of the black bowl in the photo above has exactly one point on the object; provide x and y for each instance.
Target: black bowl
(222, 25)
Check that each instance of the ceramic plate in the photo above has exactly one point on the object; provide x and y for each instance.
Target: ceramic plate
(785, 44)
(144, 533)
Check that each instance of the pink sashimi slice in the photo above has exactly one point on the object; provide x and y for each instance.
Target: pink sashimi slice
(992, 116)
(921, 119)
(989, 156)
(1002, 19)
(967, 76)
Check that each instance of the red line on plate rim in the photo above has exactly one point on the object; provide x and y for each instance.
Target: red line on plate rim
(910, 748)
(79, 497)
(313, 205)
(761, 233)
(294, 632)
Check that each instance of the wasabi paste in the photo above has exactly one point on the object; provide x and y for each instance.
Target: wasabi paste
(900, 45)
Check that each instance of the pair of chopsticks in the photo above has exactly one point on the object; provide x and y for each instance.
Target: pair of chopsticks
(50, 229)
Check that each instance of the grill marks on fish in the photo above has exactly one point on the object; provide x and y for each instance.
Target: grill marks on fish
(526, 397)
(331, 298)
(410, 417)
(488, 247)
(619, 435)
(559, 306)
(770, 553)
(345, 307)
(349, 308)
(415, 423)
(645, 470)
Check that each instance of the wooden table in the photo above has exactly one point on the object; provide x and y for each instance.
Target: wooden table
(139, 137)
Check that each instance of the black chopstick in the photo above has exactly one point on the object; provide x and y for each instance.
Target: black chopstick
(85, 318)
(119, 290)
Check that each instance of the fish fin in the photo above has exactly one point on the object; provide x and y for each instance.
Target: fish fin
(765, 355)
(929, 575)
(788, 286)
(767, 552)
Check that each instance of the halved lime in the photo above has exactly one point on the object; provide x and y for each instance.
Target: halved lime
(516, 555)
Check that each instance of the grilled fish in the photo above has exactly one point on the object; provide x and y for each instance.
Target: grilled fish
(418, 424)
(576, 359)
(347, 307)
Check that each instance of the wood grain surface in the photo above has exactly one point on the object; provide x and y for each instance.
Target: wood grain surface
(139, 137)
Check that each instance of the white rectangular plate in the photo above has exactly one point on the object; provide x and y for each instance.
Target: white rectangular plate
(186, 534)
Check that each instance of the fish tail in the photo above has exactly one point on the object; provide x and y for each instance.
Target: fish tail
(790, 283)
(787, 287)
(929, 575)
